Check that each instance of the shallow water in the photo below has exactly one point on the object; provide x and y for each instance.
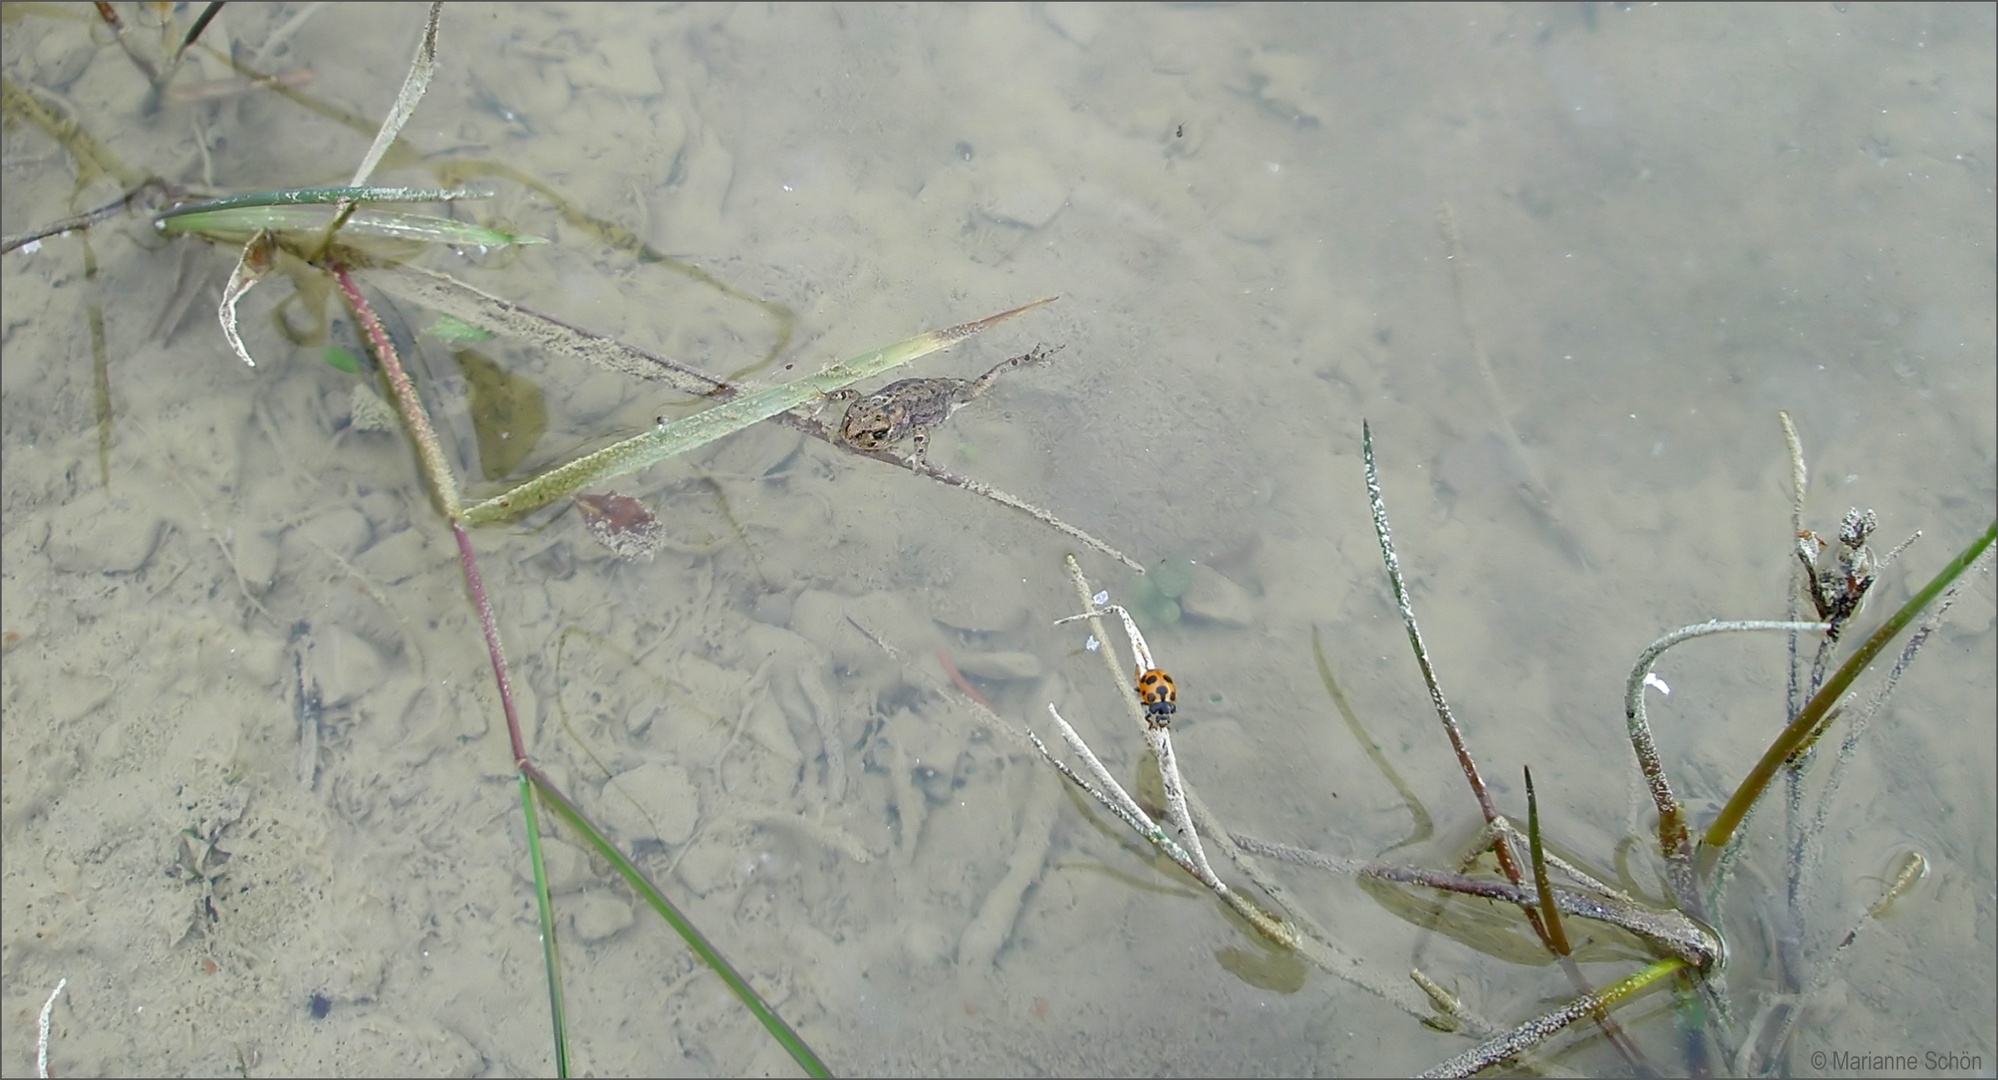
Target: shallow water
(1672, 225)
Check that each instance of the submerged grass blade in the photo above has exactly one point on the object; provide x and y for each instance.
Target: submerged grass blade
(1557, 936)
(474, 307)
(1385, 536)
(1800, 730)
(1670, 931)
(302, 223)
(671, 439)
(1538, 1030)
(421, 67)
(1424, 826)
(93, 158)
(100, 366)
(1674, 839)
(323, 196)
(623, 240)
(772, 1023)
(551, 954)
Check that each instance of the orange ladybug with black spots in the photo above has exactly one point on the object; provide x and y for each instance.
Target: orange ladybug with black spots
(1159, 696)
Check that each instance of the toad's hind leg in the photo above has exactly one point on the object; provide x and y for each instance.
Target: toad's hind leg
(1040, 354)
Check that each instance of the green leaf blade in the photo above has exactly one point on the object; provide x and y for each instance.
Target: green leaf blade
(307, 223)
(679, 436)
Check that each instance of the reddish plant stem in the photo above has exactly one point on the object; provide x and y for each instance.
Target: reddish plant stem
(494, 649)
(1442, 705)
(444, 488)
(429, 452)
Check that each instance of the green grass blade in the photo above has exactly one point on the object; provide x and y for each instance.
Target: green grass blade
(1550, 912)
(774, 1024)
(305, 223)
(551, 955)
(325, 196)
(422, 68)
(678, 437)
(1805, 726)
(1515, 1043)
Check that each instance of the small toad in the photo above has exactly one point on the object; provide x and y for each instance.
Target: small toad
(910, 408)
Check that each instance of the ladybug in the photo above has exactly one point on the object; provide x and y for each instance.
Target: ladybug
(1159, 696)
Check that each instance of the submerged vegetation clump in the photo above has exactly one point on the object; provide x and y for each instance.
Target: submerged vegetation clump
(1682, 935)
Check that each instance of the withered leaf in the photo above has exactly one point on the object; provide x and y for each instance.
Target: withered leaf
(622, 524)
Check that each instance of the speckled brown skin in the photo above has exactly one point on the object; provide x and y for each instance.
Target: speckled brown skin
(908, 409)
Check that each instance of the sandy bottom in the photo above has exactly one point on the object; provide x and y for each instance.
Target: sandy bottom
(1670, 228)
